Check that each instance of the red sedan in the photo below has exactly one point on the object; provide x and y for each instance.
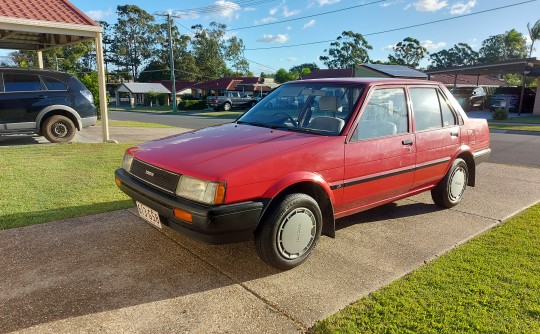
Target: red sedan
(308, 153)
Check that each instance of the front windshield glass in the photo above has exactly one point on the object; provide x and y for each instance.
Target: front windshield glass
(313, 107)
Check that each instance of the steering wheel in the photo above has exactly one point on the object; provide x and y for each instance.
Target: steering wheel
(289, 117)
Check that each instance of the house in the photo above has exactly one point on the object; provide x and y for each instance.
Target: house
(133, 93)
(182, 87)
(248, 85)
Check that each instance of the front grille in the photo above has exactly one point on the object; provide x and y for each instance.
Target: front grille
(155, 176)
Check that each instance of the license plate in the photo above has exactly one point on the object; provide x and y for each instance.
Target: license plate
(149, 215)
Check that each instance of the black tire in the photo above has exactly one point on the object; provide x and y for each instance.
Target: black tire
(226, 106)
(58, 129)
(289, 231)
(450, 189)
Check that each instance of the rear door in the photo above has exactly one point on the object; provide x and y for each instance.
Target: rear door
(24, 96)
(380, 156)
(437, 134)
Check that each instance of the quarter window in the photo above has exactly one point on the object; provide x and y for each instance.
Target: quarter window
(385, 114)
(21, 82)
(54, 84)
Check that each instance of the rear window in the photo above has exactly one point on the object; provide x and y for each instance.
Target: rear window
(21, 82)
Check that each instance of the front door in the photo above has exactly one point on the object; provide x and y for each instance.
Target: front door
(380, 156)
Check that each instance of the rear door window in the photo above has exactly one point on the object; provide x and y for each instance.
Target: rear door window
(21, 82)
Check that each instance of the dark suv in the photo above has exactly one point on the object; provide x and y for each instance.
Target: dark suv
(50, 103)
(511, 96)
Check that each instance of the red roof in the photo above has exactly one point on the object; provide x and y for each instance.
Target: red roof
(61, 11)
(219, 84)
(180, 85)
(483, 80)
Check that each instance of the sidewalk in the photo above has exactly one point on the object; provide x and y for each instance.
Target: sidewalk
(114, 273)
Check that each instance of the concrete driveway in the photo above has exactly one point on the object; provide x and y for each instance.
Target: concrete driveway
(114, 273)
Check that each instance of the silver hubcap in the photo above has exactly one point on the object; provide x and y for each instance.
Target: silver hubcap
(296, 233)
(457, 183)
(59, 129)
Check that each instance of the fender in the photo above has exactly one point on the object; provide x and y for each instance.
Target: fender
(292, 179)
(54, 107)
(466, 149)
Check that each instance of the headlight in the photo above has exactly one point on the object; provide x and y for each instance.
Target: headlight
(126, 162)
(200, 190)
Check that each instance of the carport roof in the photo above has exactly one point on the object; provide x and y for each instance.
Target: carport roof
(43, 24)
(520, 66)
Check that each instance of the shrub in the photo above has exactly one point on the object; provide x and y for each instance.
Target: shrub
(187, 97)
(192, 105)
(500, 114)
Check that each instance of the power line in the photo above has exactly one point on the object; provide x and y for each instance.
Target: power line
(400, 28)
(308, 16)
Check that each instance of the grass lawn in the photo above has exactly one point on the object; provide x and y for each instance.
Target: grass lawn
(532, 119)
(522, 123)
(489, 285)
(167, 110)
(43, 183)
(155, 109)
(515, 127)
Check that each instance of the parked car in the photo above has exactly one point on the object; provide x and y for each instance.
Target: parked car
(50, 103)
(470, 97)
(308, 153)
(511, 97)
(228, 100)
(259, 96)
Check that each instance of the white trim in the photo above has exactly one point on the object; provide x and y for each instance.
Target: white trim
(9, 23)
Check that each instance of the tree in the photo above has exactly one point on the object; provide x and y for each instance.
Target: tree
(348, 50)
(459, 55)
(134, 38)
(156, 70)
(299, 68)
(510, 45)
(534, 34)
(408, 52)
(283, 76)
(208, 50)
(234, 53)
(305, 71)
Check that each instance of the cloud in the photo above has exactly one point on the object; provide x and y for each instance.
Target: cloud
(292, 59)
(390, 3)
(226, 9)
(389, 47)
(249, 9)
(430, 5)
(432, 46)
(280, 38)
(98, 15)
(274, 10)
(462, 8)
(310, 24)
(265, 20)
(327, 2)
(288, 13)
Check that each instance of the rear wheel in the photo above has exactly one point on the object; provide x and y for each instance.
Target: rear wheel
(59, 129)
(227, 106)
(289, 232)
(449, 191)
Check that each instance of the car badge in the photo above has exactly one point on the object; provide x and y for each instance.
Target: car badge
(149, 173)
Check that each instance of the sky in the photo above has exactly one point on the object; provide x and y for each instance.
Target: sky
(272, 29)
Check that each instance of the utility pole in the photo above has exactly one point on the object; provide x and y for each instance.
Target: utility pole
(171, 62)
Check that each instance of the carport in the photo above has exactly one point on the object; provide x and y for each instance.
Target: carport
(527, 67)
(40, 25)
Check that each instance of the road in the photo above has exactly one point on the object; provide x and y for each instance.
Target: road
(182, 121)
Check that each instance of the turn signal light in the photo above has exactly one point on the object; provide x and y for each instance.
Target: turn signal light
(184, 215)
(118, 181)
(220, 194)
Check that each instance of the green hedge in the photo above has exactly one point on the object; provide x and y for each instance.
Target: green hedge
(192, 105)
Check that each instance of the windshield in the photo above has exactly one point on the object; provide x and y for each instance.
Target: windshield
(313, 107)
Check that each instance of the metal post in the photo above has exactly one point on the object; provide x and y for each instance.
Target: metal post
(171, 62)
(522, 93)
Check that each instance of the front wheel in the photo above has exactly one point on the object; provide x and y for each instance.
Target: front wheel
(59, 129)
(450, 189)
(289, 232)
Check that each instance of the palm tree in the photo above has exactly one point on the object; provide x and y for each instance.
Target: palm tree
(534, 33)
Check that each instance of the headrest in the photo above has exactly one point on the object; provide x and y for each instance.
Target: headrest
(329, 103)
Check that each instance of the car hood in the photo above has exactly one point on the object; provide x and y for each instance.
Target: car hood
(212, 153)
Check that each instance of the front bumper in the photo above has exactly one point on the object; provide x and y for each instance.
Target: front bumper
(211, 224)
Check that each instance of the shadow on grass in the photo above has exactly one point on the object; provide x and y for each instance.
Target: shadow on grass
(21, 219)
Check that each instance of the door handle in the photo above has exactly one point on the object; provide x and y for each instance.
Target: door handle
(407, 142)
(454, 134)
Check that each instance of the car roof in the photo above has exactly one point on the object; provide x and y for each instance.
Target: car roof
(371, 81)
(34, 71)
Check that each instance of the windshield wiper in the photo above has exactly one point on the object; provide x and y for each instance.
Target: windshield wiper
(254, 124)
